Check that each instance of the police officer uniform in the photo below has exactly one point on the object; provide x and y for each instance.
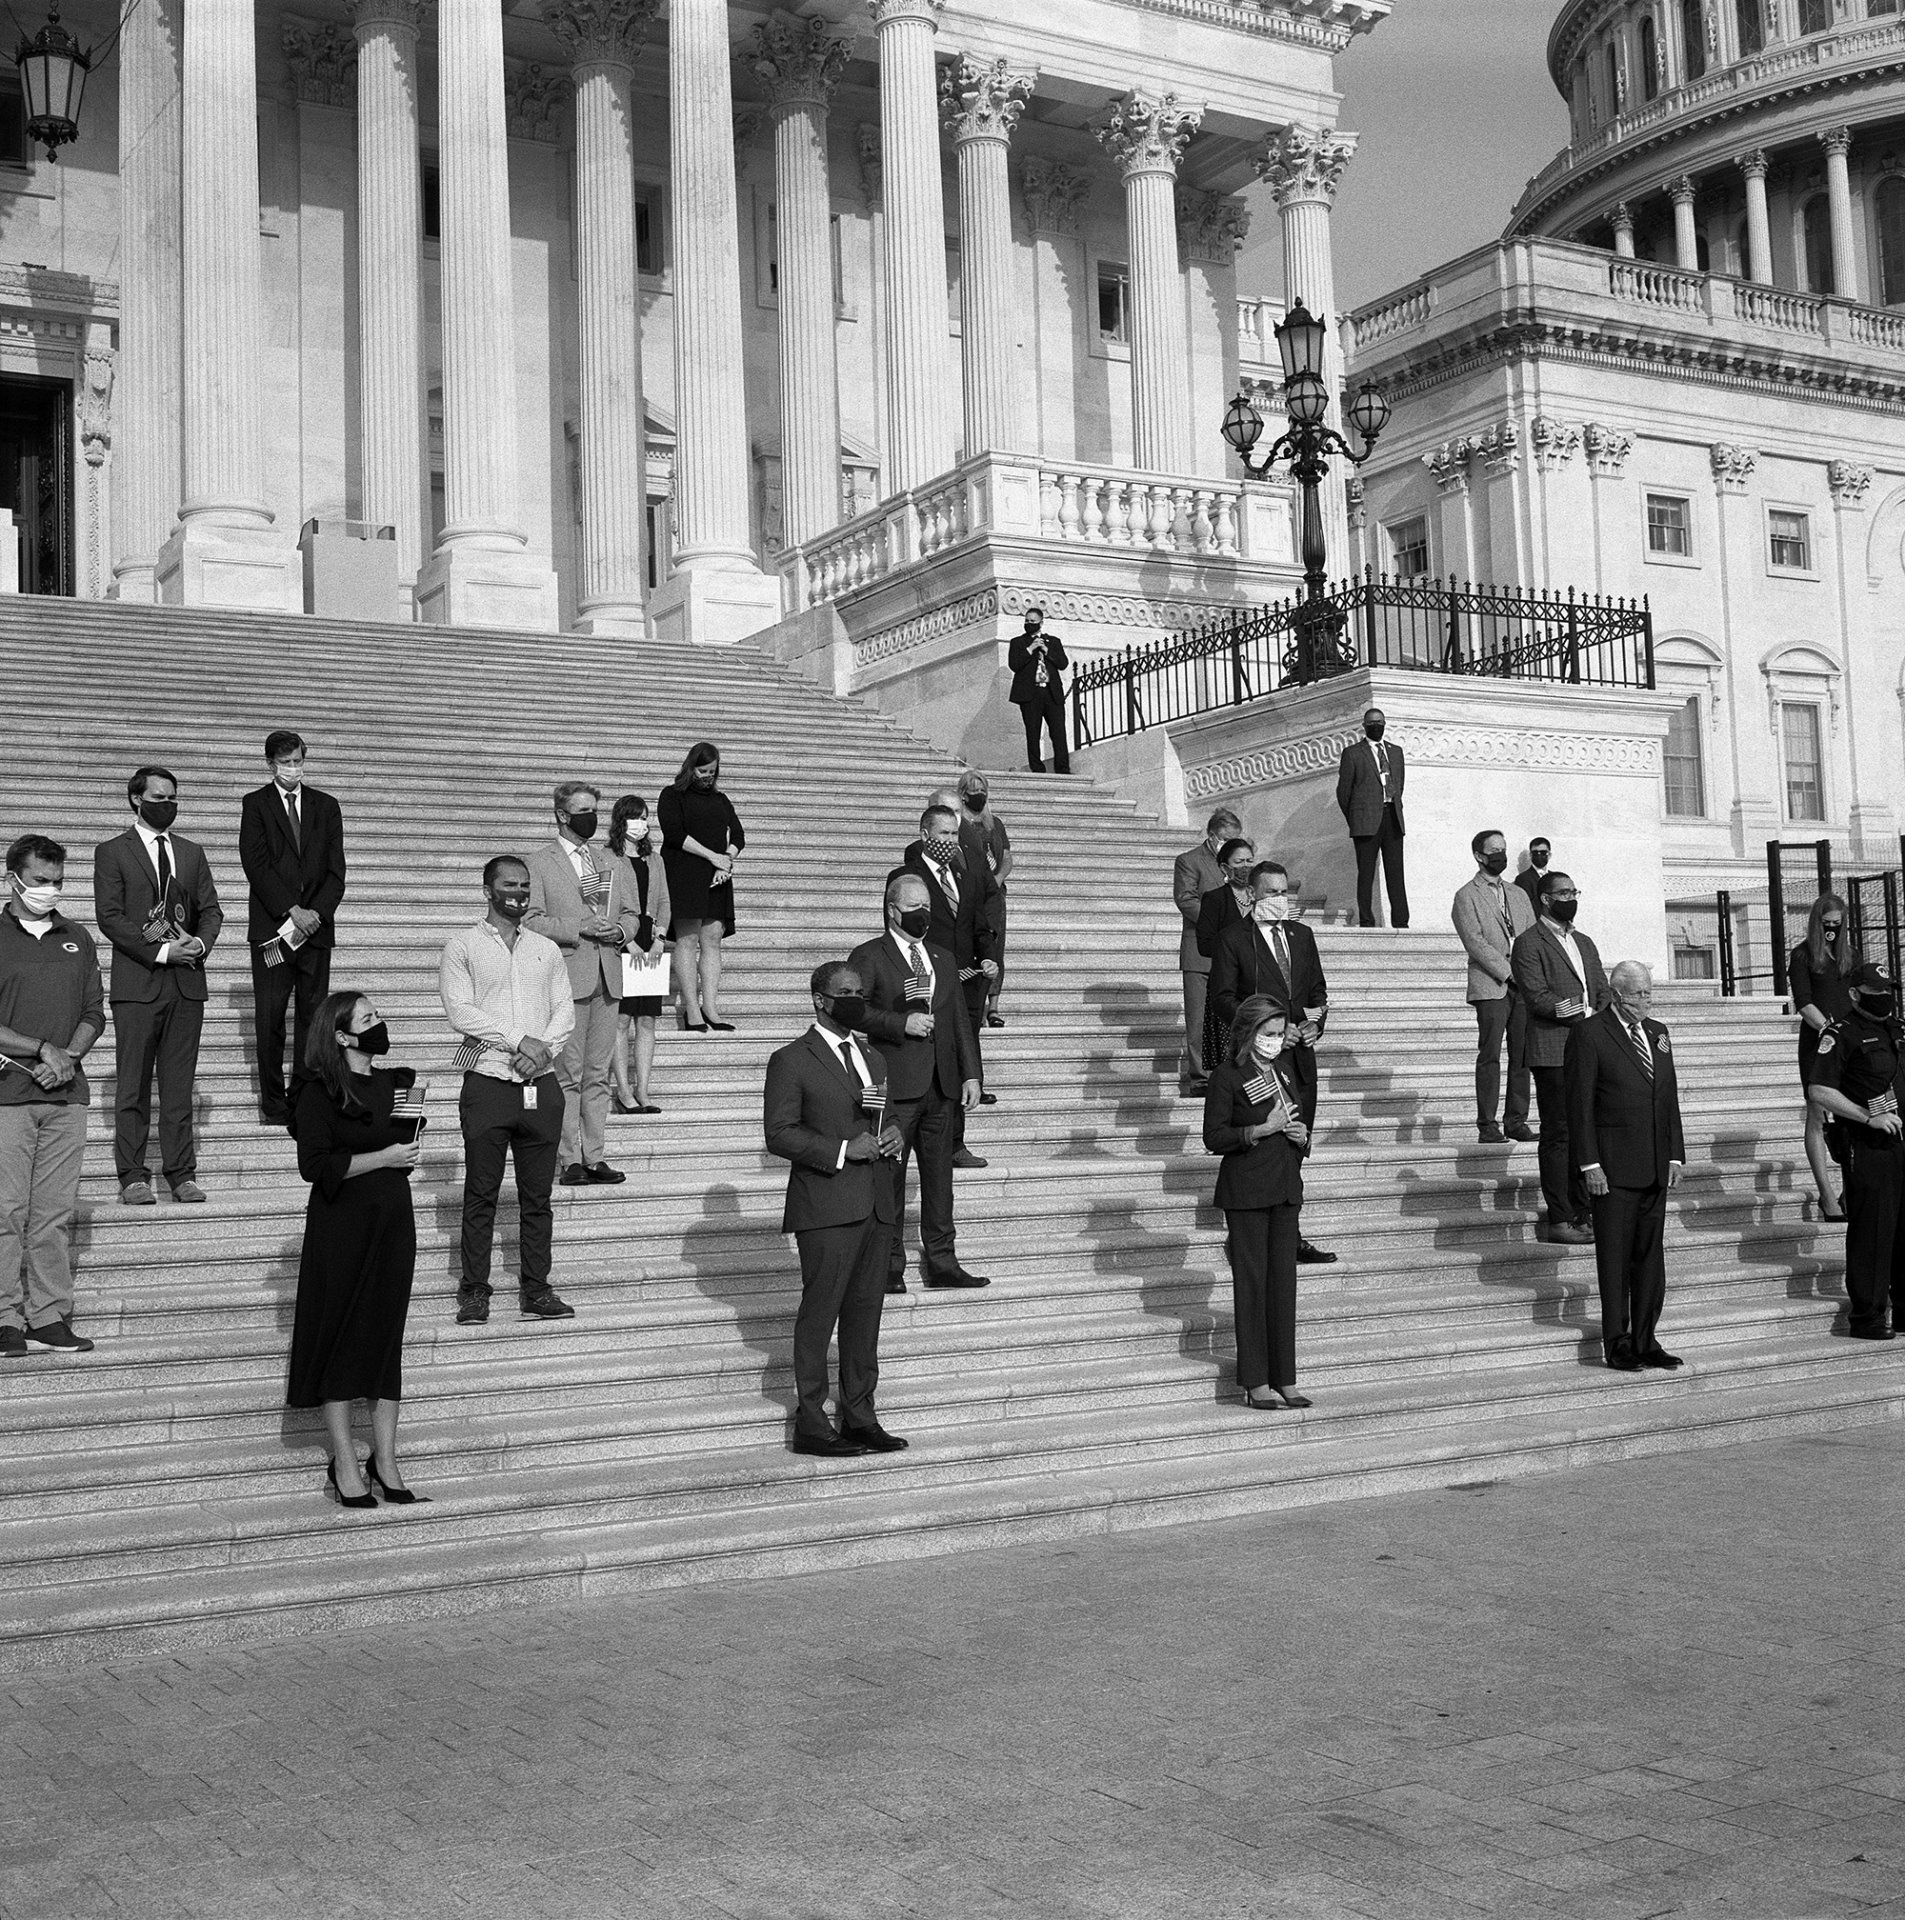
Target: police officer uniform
(1862, 1057)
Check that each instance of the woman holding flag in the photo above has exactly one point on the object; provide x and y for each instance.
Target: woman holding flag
(1253, 1118)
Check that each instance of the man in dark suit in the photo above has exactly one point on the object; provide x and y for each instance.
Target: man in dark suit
(1530, 877)
(1038, 664)
(153, 893)
(1624, 1132)
(823, 1112)
(1274, 954)
(1559, 973)
(917, 1019)
(1196, 873)
(1369, 792)
(291, 845)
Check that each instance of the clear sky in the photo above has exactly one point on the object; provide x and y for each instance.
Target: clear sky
(1455, 109)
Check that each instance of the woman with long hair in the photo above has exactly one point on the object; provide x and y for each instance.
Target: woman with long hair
(700, 839)
(1253, 1116)
(982, 836)
(360, 1243)
(630, 839)
(1816, 975)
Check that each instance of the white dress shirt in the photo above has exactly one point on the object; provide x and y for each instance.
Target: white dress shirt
(1566, 936)
(150, 837)
(1378, 752)
(504, 995)
(833, 1042)
(914, 953)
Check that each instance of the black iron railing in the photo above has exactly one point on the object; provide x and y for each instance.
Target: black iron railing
(1428, 625)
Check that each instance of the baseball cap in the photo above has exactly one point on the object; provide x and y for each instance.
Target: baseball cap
(1871, 978)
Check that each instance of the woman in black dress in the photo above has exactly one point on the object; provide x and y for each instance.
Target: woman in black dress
(1815, 975)
(1224, 906)
(631, 839)
(1253, 1117)
(360, 1243)
(700, 837)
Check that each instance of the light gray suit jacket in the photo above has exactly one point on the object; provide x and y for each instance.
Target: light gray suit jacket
(1478, 920)
(1197, 872)
(557, 911)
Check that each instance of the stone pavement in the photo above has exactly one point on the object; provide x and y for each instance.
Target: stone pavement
(1666, 1687)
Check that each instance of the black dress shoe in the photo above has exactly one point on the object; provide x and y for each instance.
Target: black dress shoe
(1658, 1356)
(575, 1176)
(604, 1175)
(965, 1157)
(1309, 1256)
(988, 1099)
(546, 1304)
(472, 1307)
(958, 1277)
(1523, 1132)
(831, 1446)
(1871, 1333)
(875, 1438)
(896, 1285)
(1490, 1135)
(1621, 1357)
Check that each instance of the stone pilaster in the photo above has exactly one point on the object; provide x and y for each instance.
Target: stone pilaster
(602, 38)
(919, 445)
(1759, 233)
(481, 573)
(800, 62)
(225, 551)
(982, 101)
(394, 488)
(1837, 142)
(145, 469)
(1147, 134)
(1213, 226)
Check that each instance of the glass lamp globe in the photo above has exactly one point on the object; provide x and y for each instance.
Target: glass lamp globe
(53, 80)
(1243, 426)
(1370, 411)
(1307, 399)
(1300, 338)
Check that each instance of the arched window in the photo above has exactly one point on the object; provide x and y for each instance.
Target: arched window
(1614, 100)
(1815, 16)
(1818, 228)
(1751, 26)
(1891, 220)
(1693, 39)
(1649, 60)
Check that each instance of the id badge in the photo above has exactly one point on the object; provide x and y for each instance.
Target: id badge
(529, 1099)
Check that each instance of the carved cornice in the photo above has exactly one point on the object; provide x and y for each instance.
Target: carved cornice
(1105, 609)
(1147, 133)
(1054, 193)
(1448, 465)
(323, 62)
(1213, 225)
(799, 61)
(367, 15)
(1305, 163)
(1607, 449)
(983, 99)
(1848, 481)
(600, 32)
(532, 101)
(1555, 441)
(1732, 465)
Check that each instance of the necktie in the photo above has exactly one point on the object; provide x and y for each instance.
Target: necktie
(1638, 1034)
(1508, 919)
(291, 815)
(165, 873)
(852, 1064)
(1382, 766)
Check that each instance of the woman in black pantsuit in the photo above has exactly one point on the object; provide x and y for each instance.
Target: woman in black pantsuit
(360, 1244)
(1815, 977)
(1252, 1116)
(1219, 910)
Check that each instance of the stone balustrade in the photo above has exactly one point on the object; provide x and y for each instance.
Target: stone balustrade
(1257, 322)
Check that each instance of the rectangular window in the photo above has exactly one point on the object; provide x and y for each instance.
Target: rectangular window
(1114, 286)
(1805, 784)
(1686, 777)
(16, 150)
(1815, 16)
(432, 203)
(1693, 963)
(1791, 535)
(1409, 548)
(1669, 525)
(647, 254)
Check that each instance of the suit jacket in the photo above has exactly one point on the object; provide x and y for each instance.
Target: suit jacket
(915, 1067)
(1619, 1119)
(1479, 922)
(557, 911)
(1195, 874)
(1217, 911)
(1529, 881)
(1026, 691)
(1266, 1174)
(1545, 979)
(810, 1108)
(967, 934)
(125, 893)
(1359, 786)
(283, 873)
(660, 908)
(1243, 964)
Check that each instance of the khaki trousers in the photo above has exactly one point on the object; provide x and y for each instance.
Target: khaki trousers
(584, 1068)
(41, 1146)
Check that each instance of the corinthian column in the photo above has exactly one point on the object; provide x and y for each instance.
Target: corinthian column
(1686, 232)
(1147, 135)
(1759, 235)
(917, 440)
(1837, 142)
(145, 466)
(481, 573)
(603, 37)
(800, 62)
(390, 274)
(982, 101)
(224, 552)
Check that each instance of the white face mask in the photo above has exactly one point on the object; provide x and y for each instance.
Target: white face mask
(37, 902)
(1271, 908)
(290, 778)
(1267, 1046)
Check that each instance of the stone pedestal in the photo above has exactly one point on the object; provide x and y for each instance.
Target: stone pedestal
(715, 605)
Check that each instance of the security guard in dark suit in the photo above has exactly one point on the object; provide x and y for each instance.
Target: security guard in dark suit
(1859, 1081)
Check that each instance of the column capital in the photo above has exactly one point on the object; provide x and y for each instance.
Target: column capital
(600, 33)
(1499, 447)
(1848, 481)
(1147, 133)
(983, 99)
(323, 62)
(1305, 163)
(367, 15)
(1448, 465)
(1755, 164)
(1607, 449)
(1213, 224)
(1732, 465)
(799, 61)
(532, 101)
(1053, 193)
(886, 11)
(1837, 142)
(1555, 441)
(1680, 190)
(1622, 218)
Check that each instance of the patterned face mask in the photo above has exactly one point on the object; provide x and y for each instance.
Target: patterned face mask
(939, 848)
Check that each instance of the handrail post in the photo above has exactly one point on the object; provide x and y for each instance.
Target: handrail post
(1081, 734)
(1239, 683)
(1647, 638)
(1572, 669)
(1822, 859)
(1776, 910)
(1891, 924)
(1723, 906)
(1130, 692)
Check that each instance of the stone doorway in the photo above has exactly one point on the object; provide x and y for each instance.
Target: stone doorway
(36, 479)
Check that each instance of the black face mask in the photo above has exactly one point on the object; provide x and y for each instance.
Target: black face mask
(975, 803)
(582, 825)
(914, 922)
(848, 1010)
(158, 814)
(1539, 860)
(1494, 863)
(512, 909)
(1373, 728)
(374, 1040)
(1563, 910)
(1880, 1006)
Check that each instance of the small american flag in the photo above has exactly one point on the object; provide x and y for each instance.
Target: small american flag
(1886, 1102)
(873, 1100)
(471, 1051)
(920, 988)
(1263, 1091)
(271, 952)
(406, 1100)
(970, 973)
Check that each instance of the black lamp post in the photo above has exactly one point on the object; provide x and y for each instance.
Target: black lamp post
(53, 74)
(1308, 446)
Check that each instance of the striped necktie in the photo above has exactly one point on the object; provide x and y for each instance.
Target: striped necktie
(1638, 1035)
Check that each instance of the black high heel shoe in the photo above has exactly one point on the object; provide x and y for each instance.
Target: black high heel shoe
(362, 1500)
(397, 1496)
(720, 1026)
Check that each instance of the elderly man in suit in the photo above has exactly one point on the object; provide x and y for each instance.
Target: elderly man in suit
(586, 903)
(916, 1018)
(1559, 973)
(1625, 1135)
(824, 1112)
(1274, 954)
(1197, 873)
(1490, 915)
(1369, 792)
(157, 904)
(1038, 663)
(291, 845)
